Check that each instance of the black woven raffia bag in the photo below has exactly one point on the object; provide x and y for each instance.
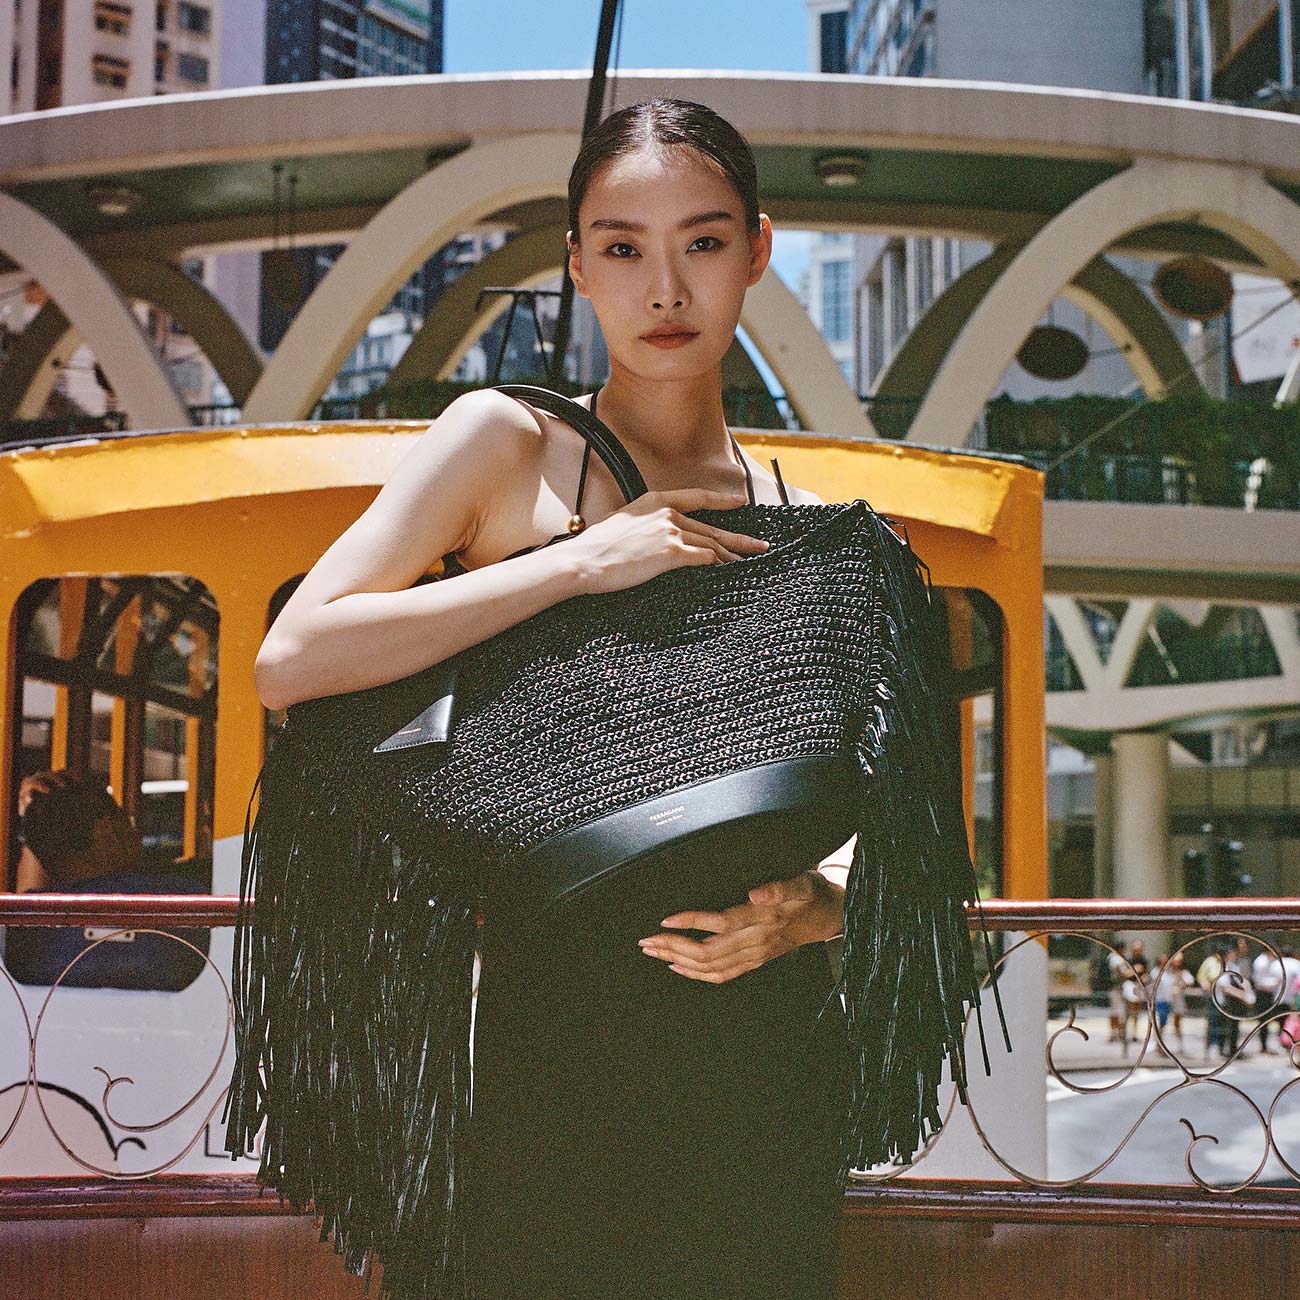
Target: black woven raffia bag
(807, 689)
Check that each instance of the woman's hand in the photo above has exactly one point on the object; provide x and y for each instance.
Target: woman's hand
(652, 534)
(780, 915)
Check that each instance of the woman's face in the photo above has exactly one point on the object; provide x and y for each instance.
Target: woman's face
(663, 242)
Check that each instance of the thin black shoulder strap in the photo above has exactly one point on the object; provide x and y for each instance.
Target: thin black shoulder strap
(582, 478)
(780, 483)
(744, 464)
(599, 435)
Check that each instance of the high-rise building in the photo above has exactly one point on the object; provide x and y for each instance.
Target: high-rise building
(889, 281)
(326, 41)
(57, 53)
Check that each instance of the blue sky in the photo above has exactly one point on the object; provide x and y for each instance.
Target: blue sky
(760, 35)
(520, 34)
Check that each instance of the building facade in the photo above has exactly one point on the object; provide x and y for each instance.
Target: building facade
(59, 53)
(1128, 816)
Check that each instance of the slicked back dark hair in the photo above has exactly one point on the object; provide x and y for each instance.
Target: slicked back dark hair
(666, 122)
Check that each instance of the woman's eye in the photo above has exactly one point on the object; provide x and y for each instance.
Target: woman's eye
(612, 250)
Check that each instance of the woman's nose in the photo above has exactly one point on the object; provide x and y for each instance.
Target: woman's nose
(668, 289)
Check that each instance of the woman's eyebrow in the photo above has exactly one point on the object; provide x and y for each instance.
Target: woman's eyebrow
(699, 219)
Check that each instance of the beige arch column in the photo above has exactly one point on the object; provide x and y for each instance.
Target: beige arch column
(425, 215)
(49, 340)
(164, 284)
(1100, 289)
(97, 311)
(789, 342)
(1290, 388)
(1235, 200)
(1133, 323)
(453, 326)
(1140, 823)
(1103, 822)
(36, 358)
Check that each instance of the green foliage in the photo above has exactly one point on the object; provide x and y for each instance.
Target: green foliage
(1200, 442)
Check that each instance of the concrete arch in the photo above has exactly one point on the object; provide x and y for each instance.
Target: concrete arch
(1232, 199)
(1289, 390)
(1133, 323)
(164, 284)
(453, 326)
(822, 399)
(1103, 291)
(772, 316)
(97, 311)
(50, 340)
(36, 359)
(421, 218)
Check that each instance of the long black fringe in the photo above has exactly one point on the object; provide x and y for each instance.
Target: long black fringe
(353, 967)
(908, 962)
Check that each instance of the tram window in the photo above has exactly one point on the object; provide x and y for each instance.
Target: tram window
(112, 776)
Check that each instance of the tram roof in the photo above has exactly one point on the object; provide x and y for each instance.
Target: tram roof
(970, 159)
(65, 481)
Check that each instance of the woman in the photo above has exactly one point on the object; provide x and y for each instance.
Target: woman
(1171, 994)
(656, 1119)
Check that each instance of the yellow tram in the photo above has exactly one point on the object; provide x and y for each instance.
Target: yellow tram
(138, 575)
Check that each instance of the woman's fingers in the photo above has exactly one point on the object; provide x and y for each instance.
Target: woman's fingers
(719, 957)
(706, 544)
(733, 544)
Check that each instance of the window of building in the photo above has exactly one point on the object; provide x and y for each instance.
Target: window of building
(924, 273)
(160, 19)
(108, 71)
(875, 328)
(836, 321)
(896, 289)
(833, 29)
(192, 67)
(112, 18)
(193, 18)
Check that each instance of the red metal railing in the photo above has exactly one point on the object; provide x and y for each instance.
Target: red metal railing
(1006, 1200)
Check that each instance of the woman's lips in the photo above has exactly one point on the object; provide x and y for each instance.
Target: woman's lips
(668, 340)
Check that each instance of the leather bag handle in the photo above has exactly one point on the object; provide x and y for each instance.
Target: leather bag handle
(593, 429)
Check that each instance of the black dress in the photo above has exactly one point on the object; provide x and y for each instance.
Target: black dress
(638, 1134)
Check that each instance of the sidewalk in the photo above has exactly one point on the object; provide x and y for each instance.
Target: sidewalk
(1073, 1052)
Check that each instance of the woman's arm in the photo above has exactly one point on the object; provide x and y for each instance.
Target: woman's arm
(355, 620)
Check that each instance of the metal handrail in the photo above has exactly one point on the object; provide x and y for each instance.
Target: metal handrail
(1005, 914)
(163, 1193)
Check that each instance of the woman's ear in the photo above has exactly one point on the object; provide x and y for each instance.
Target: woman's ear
(575, 263)
(760, 249)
